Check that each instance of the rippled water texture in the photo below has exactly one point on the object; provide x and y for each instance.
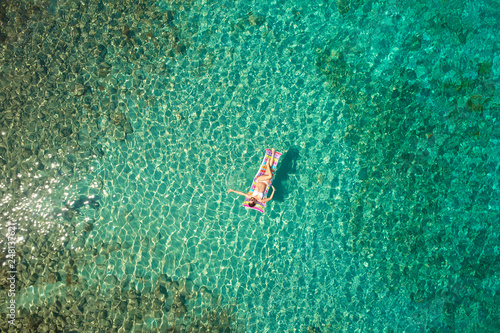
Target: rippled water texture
(123, 124)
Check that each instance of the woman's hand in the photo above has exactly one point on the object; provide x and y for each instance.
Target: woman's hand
(229, 191)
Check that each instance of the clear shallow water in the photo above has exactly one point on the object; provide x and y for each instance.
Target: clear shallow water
(124, 124)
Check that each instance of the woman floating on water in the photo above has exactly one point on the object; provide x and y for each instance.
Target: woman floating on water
(260, 188)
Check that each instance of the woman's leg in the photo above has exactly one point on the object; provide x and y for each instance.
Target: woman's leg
(270, 161)
(269, 171)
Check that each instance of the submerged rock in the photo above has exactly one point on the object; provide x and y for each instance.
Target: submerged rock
(169, 16)
(256, 20)
(110, 280)
(78, 89)
(343, 6)
(180, 49)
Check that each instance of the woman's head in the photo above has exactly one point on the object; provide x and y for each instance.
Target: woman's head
(252, 202)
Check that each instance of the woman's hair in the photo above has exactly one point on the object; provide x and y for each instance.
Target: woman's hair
(251, 203)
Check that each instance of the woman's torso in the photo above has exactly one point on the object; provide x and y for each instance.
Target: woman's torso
(259, 190)
(261, 186)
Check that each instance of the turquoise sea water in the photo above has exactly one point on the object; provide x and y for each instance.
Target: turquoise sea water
(123, 124)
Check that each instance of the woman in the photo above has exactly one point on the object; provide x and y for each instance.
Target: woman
(262, 182)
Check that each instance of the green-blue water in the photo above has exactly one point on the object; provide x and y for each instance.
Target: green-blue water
(124, 123)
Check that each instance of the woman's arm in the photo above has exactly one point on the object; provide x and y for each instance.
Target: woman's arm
(240, 193)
